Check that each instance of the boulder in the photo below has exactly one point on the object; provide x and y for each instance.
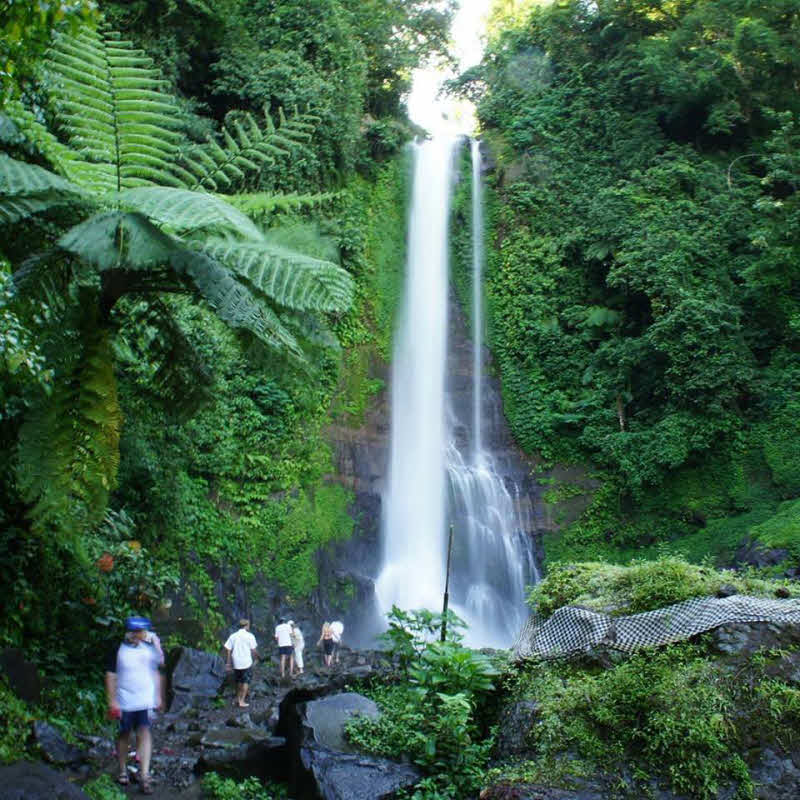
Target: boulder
(34, 781)
(196, 678)
(326, 718)
(753, 553)
(776, 776)
(53, 747)
(349, 776)
(22, 675)
(323, 762)
(238, 753)
(515, 722)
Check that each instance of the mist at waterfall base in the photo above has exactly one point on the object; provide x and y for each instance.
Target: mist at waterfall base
(439, 471)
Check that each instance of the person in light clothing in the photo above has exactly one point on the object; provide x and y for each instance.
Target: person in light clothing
(134, 687)
(283, 636)
(337, 629)
(299, 643)
(241, 649)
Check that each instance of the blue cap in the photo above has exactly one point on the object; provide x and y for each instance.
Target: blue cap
(137, 624)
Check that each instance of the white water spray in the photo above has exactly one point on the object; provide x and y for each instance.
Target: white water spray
(414, 516)
(431, 481)
(477, 300)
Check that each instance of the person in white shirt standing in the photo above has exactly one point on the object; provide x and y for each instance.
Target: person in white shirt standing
(241, 648)
(133, 688)
(299, 643)
(283, 635)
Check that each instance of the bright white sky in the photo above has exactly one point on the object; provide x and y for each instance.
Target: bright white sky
(445, 115)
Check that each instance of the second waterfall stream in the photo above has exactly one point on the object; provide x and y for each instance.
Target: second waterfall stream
(435, 477)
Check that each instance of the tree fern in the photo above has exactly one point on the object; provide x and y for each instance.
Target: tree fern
(248, 146)
(262, 204)
(110, 101)
(295, 281)
(68, 451)
(234, 303)
(26, 189)
(182, 211)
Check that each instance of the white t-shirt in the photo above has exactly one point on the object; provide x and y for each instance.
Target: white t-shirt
(241, 644)
(337, 629)
(136, 668)
(283, 633)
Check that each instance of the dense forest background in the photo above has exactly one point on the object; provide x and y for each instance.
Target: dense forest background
(643, 280)
(202, 224)
(150, 427)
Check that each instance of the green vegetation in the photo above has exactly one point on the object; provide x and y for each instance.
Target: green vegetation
(433, 719)
(684, 716)
(216, 787)
(202, 222)
(641, 586)
(642, 299)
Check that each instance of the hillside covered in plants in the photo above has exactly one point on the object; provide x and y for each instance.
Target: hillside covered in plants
(203, 210)
(643, 284)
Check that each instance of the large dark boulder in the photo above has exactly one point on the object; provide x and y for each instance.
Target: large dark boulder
(195, 678)
(516, 721)
(348, 776)
(323, 762)
(23, 677)
(35, 781)
(776, 777)
(752, 553)
(239, 753)
(325, 719)
(53, 747)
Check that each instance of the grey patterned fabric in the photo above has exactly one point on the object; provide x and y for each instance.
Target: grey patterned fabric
(573, 630)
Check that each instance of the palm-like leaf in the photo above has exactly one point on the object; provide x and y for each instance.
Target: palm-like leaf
(291, 279)
(109, 100)
(248, 146)
(183, 212)
(26, 189)
(233, 302)
(119, 240)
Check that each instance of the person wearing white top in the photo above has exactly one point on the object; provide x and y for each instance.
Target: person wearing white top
(337, 629)
(241, 649)
(299, 643)
(283, 635)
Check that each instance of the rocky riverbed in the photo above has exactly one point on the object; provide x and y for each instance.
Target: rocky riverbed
(287, 733)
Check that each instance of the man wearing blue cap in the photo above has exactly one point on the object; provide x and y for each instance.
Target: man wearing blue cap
(134, 686)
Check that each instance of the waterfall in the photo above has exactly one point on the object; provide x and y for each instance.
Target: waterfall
(477, 300)
(414, 512)
(435, 476)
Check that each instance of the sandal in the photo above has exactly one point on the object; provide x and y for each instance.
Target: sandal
(122, 779)
(147, 786)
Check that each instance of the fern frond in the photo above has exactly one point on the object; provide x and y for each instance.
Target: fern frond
(289, 278)
(117, 240)
(26, 189)
(248, 146)
(262, 204)
(69, 445)
(184, 212)
(92, 177)
(234, 303)
(110, 102)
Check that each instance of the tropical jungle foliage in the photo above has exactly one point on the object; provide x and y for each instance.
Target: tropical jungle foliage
(195, 282)
(642, 278)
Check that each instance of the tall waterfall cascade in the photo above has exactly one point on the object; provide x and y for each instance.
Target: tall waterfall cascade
(437, 475)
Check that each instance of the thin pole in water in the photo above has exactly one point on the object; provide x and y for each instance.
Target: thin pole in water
(447, 584)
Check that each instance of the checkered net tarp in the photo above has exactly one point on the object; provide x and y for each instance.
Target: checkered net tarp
(573, 630)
